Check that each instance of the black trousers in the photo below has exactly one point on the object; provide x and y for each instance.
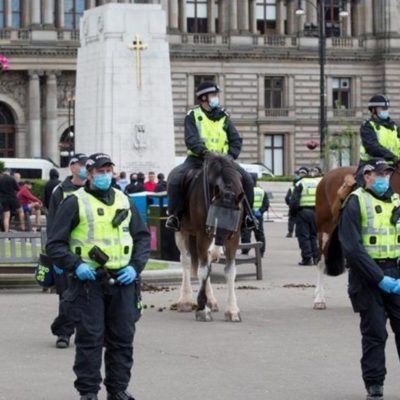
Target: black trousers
(176, 194)
(258, 234)
(291, 224)
(306, 232)
(62, 324)
(104, 315)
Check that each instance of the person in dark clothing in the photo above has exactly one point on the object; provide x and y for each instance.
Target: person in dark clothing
(104, 314)
(50, 185)
(8, 199)
(161, 183)
(208, 127)
(302, 205)
(369, 236)
(63, 326)
(289, 194)
(131, 187)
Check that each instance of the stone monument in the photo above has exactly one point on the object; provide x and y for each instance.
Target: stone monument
(123, 90)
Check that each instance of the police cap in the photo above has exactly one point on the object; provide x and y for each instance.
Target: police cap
(303, 170)
(78, 158)
(378, 100)
(207, 87)
(98, 160)
(377, 165)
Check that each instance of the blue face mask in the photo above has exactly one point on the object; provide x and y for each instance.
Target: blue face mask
(102, 181)
(213, 102)
(381, 185)
(383, 114)
(82, 173)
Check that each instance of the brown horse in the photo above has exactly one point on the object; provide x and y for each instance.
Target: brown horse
(218, 214)
(334, 187)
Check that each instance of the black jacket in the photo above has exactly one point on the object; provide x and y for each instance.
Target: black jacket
(48, 190)
(265, 204)
(289, 195)
(161, 186)
(67, 218)
(369, 139)
(195, 143)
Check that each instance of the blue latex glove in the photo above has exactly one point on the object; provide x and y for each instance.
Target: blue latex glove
(258, 214)
(57, 270)
(388, 284)
(85, 273)
(396, 289)
(127, 275)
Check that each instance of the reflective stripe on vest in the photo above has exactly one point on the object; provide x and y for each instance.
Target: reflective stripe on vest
(212, 132)
(308, 194)
(386, 137)
(95, 229)
(258, 198)
(379, 237)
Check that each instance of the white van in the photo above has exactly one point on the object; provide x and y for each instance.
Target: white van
(29, 168)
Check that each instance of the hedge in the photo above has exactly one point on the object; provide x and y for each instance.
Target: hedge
(38, 187)
(281, 178)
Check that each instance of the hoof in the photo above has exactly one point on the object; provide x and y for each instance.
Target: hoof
(213, 307)
(232, 316)
(320, 306)
(184, 307)
(203, 315)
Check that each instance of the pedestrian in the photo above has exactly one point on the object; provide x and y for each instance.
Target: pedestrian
(131, 187)
(369, 233)
(101, 236)
(302, 205)
(50, 185)
(150, 185)
(122, 182)
(62, 326)
(161, 183)
(29, 203)
(8, 199)
(289, 194)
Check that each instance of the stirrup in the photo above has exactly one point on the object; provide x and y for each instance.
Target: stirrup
(173, 223)
(250, 223)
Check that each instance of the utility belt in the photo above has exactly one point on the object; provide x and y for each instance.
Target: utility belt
(307, 208)
(387, 263)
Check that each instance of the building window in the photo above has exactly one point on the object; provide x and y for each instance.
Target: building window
(196, 16)
(273, 153)
(332, 19)
(273, 87)
(16, 13)
(73, 12)
(2, 15)
(266, 15)
(341, 93)
(200, 79)
(7, 132)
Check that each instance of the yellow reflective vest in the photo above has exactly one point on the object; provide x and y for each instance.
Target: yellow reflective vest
(95, 229)
(308, 194)
(380, 237)
(212, 132)
(386, 138)
(258, 198)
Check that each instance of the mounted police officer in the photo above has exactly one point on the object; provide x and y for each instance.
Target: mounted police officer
(63, 327)
(369, 233)
(98, 237)
(208, 127)
(302, 204)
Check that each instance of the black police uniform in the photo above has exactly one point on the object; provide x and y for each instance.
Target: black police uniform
(373, 305)
(292, 218)
(104, 315)
(196, 144)
(62, 326)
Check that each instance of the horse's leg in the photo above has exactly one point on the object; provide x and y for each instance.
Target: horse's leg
(215, 252)
(319, 295)
(186, 292)
(203, 312)
(232, 312)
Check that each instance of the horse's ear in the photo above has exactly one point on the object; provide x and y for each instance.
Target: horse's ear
(240, 198)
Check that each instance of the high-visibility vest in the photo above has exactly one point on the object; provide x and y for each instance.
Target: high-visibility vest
(212, 132)
(95, 229)
(308, 194)
(386, 138)
(380, 237)
(258, 198)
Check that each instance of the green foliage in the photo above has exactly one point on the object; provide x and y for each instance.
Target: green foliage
(1, 166)
(282, 178)
(38, 188)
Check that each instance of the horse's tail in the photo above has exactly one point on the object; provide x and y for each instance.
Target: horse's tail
(334, 258)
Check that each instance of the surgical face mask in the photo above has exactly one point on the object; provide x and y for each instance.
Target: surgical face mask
(381, 185)
(82, 173)
(102, 181)
(383, 114)
(213, 102)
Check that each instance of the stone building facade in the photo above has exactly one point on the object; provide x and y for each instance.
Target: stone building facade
(262, 54)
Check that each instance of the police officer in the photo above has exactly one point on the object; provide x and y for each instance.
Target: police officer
(260, 206)
(369, 233)
(63, 327)
(289, 194)
(302, 205)
(98, 237)
(208, 127)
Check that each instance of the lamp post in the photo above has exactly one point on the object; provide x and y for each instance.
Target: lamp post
(71, 133)
(320, 7)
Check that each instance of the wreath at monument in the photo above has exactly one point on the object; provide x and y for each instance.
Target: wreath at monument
(312, 144)
(4, 64)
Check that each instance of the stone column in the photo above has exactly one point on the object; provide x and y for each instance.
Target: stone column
(173, 15)
(51, 140)
(392, 17)
(48, 13)
(291, 17)
(368, 17)
(233, 16)
(60, 14)
(25, 14)
(244, 16)
(280, 17)
(223, 16)
(8, 14)
(346, 21)
(311, 13)
(35, 143)
(92, 4)
(35, 12)
(253, 17)
(182, 16)
(211, 16)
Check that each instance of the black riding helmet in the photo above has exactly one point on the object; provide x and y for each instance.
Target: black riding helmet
(205, 88)
(378, 100)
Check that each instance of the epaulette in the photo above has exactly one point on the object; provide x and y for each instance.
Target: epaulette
(192, 109)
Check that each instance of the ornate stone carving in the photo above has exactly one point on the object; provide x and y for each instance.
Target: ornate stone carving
(14, 84)
(65, 88)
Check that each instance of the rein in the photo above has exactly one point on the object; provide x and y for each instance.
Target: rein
(206, 187)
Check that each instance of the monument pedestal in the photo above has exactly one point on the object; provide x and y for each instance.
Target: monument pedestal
(123, 93)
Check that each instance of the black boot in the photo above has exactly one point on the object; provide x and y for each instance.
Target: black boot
(89, 396)
(120, 396)
(289, 235)
(306, 261)
(173, 223)
(62, 342)
(315, 260)
(375, 392)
